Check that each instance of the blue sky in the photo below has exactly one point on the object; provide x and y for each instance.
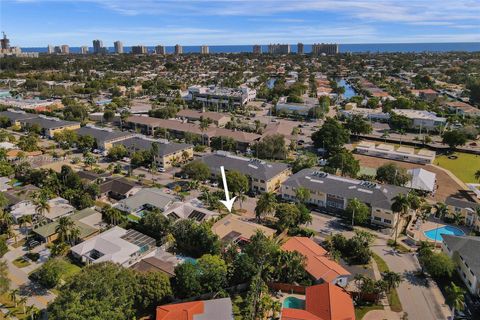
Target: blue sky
(194, 22)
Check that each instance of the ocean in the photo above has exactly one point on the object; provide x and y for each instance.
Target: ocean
(344, 48)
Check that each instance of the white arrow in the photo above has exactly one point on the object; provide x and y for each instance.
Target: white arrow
(227, 202)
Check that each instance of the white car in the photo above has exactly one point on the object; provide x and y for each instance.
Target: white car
(161, 169)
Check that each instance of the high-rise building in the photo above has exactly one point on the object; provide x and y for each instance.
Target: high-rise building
(57, 49)
(50, 49)
(300, 48)
(118, 47)
(160, 49)
(5, 42)
(65, 49)
(204, 49)
(178, 49)
(97, 46)
(279, 48)
(257, 49)
(139, 49)
(324, 48)
(84, 49)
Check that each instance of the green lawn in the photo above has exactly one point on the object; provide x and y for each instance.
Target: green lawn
(361, 311)
(69, 270)
(464, 167)
(20, 262)
(133, 218)
(393, 298)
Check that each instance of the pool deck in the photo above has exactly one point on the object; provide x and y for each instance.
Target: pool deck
(416, 231)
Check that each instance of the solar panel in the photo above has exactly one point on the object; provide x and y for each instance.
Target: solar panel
(197, 215)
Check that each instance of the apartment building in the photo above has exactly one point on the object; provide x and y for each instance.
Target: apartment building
(219, 119)
(104, 137)
(264, 176)
(49, 126)
(325, 48)
(221, 97)
(169, 153)
(139, 49)
(467, 209)
(333, 193)
(278, 48)
(118, 45)
(421, 119)
(464, 251)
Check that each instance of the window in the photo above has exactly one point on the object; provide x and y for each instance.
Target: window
(387, 221)
(377, 218)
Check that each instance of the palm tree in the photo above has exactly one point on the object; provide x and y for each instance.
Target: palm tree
(13, 296)
(64, 228)
(400, 205)
(41, 204)
(185, 155)
(392, 279)
(23, 302)
(455, 296)
(266, 205)
(477, 175)
(30, 311)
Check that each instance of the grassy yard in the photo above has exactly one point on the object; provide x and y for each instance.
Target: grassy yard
(21, 262)
(393, 298)
(69, 270)
(463, 167)
(361, 311)
(133, 218)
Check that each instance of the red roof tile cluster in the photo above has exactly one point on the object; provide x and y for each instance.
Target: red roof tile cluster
(180, 311)
(318, 265)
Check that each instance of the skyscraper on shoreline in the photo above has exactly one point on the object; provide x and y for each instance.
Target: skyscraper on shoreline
(300, 48)
(118, 47)
(5, 42)
(324, 48)
(139, 49)
(160, 49)
(279, 48)
(50, 49)
(84, 50)
(65, 49)
(204, 49)
(178, 49)
(97, 46)
(257, 49)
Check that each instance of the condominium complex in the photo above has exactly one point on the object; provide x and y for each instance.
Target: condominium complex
(300, 48)
(279, 48)
(257, 49)
(178, 49)
(83, 49)
(65, 49)
(139, 49)
(222, 97)
(118, 47)
(324, 48)
(333, 193)
(160, 49)
(204, 49)
(50, 49)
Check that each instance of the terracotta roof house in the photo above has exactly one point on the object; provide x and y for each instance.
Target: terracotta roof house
(318, 264)
(232, 228)
(217, 309)
(323, 302)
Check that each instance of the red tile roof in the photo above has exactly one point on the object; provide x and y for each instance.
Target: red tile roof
(318, 265)
(329, 302)
(298, 314)
(180, 311)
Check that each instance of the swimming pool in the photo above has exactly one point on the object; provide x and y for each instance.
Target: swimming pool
(294, 303)
(436, 234)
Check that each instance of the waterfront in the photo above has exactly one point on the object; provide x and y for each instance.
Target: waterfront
(344, 48)
(349, 91)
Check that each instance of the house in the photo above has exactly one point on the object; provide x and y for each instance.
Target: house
(91, 176)
(59, 207)
(216, 309)
(49, 126)
(323, 302)
(5, 184)
(318, 265)
(233, 229)
(333, 193)
(20, 194)
(422, 180)
(117, 188)
(464, 250)
(293, 108)
(463, 109)
(467, 209)
(104, 137)
(192, 209)
(218, 118)
(159, 260)
(88, 221)
(425, 94)
(117, 245)
(145, 199)
(263, 176)
(168, 154)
